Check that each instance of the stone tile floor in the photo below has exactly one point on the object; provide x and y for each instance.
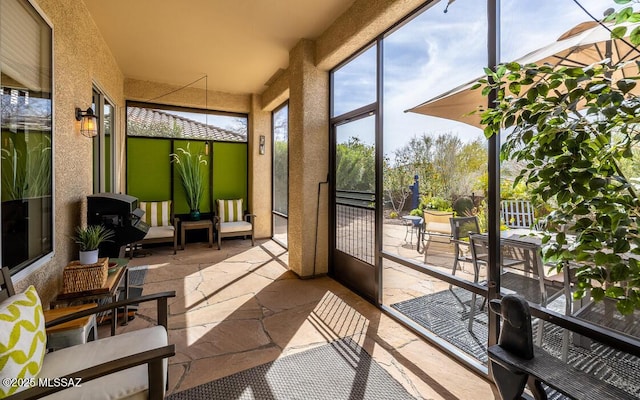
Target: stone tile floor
(240, 307)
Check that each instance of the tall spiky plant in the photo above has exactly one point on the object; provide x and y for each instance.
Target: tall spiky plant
(189, 167)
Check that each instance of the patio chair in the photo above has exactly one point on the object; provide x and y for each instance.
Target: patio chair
(232, 220)
(524, 260)
(461, 228)
(436, 227)
(163, 225)
(130, 365)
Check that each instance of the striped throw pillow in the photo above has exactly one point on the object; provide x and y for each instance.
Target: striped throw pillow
(156, 213)
(23, 339)
(230, 210)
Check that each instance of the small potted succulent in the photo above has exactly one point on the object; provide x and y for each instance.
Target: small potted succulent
(89, 239)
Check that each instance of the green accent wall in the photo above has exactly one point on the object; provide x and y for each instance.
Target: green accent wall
(149, 168)
(149, 171)
(230, 174)
(180, 199)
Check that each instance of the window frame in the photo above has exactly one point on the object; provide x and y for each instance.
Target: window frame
(47, 257)
(100, 98)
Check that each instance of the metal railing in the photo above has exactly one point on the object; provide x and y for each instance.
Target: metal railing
(355, 224)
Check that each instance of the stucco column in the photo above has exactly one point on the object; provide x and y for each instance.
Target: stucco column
(308, 161)
(260, 168)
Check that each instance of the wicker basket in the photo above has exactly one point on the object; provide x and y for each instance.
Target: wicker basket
(79, 278)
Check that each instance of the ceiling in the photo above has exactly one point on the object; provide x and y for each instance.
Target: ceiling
(238, 44)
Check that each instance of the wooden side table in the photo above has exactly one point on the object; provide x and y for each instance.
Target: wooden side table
(108, 291)
(189, 225)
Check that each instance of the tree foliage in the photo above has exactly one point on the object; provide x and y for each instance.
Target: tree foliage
(355, 166)
(446, 167)
(571, 128)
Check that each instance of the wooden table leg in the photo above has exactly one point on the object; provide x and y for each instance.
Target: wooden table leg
(210, 235)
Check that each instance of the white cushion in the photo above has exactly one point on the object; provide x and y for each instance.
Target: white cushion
(23, 340)
(131, 383)
(238, 226)
(156, 232)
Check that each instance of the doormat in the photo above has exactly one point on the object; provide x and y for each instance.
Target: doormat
(339, 370)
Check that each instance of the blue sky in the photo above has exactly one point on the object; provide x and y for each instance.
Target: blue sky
(436, 52)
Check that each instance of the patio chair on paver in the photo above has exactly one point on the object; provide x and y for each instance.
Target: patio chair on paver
(163, 225)
(436, 227)
(461, 228)
(232, 220)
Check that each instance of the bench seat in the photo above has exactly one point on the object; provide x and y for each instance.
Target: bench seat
(556, 374)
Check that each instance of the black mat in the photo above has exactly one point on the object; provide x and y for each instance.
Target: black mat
(339, 370)
(446, 314)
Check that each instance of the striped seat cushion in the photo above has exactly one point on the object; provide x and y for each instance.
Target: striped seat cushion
(157, 213)
(230, 210)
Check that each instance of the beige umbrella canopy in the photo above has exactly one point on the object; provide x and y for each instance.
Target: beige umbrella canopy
(583, 45)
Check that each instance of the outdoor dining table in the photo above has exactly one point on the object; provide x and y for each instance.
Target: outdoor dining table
(526, 244)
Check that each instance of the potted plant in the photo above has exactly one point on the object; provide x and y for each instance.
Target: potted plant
(89, 239)
(189, 167)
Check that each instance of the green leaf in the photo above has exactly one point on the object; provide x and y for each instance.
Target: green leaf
(513, 66)
(625, 306)
(614, 292)
(597, 183)
(635, 33)
(622, 16)
(575, 72)
(514, 87)
(597, 293)
(626, 85)
(618, 32)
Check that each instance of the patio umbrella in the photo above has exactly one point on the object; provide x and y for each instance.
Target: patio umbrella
(583, 45)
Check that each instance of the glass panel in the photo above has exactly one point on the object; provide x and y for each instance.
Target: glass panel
(108, 127)
(280, 173)
(280, 226)
(25, 115)
(355, 188)
(281, 160)
(430, 303)
(528, 26)
(354, 84)
(525, 28)
(173, 123)
(434, 171)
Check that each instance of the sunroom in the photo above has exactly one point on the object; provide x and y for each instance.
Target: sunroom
(317, 115)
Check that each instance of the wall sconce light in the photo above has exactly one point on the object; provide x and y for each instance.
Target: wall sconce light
(88, 122)
(206, 148)
(261, 147)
